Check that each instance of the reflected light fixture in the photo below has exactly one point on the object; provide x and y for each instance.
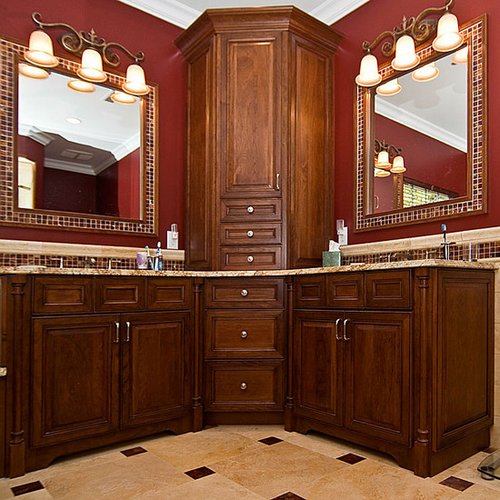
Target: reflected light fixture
(41, 51)
(32, 71)
(383, 160)
(381, 173)
(96, 51)
(81, 85)
(123, 97)
(448, 38)
(398, 165)
(426, 73)
(390, 88)
(460, 56)
(368, 72)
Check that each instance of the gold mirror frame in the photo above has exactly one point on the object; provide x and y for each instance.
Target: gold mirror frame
(10, 215)
(475, 201)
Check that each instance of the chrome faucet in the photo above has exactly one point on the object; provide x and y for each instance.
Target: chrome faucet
(446, 244)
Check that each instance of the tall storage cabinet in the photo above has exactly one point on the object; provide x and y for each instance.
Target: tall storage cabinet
(259, 139)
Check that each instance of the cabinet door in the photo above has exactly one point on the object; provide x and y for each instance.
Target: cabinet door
(377, 368)
(318, 367)
(75, 378)
(250, 112)
(156, 375)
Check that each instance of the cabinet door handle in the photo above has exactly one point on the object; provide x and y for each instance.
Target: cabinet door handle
(337, 323)
(346, 321)
(127, 334)
(250, 209)
(244, 293)
(250, 233)
(116, 340)
(243, 386)
(250, 259)
(277, 182)
(244, 334)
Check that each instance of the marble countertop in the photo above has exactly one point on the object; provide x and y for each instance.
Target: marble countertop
(410, 264)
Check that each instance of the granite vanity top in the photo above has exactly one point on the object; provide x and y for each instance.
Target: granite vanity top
(235, 274)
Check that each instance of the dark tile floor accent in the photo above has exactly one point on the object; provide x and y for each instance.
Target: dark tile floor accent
(133, 451)
(456, 483)
(270, 440)
(27, 488)
(199, 472)
(289, 494)
(351, 458)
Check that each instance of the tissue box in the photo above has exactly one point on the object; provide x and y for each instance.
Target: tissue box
(331, 259)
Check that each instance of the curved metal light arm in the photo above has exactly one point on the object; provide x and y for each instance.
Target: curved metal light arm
(77, 41)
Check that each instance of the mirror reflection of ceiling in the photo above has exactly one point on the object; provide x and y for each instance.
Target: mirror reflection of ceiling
(183, 12)
(437, 108)
(106, 132)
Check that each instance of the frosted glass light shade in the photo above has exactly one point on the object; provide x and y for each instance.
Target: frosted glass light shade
(368, 72)
(389, 88)
(136, 81)
(81, 86)
(398, 165)
(460, 56)
(406, 58)
(425, 73)
(381, 173)
(32, 71)
(448, 38)
(123, 98)
(41, 51)
(383, 160)
(91, 69)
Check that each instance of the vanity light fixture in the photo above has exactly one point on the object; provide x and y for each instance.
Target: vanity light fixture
(392, 87)
(382, 161)
(94, 51)
(383, 154)
(402, 39)
(81, 86)
(460, 56)
(381, 173)
(426, 73)
(32, 71)
(398, 165)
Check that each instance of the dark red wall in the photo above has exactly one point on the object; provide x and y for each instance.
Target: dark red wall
(107, 191)
(34, 151)
(163, 65)
(366, 23)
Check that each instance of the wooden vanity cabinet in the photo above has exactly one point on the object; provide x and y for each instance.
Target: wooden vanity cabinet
(394, 360)
(259, 138)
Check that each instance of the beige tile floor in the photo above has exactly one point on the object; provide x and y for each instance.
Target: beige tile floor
(244, 468)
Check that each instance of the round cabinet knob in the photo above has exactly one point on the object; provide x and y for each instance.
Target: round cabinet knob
(250, 233)
(243, 386)
(250, 209)
(250, 258)
(244, 334)
(244, 293)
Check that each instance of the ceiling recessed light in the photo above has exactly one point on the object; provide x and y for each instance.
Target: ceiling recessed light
(73, 120)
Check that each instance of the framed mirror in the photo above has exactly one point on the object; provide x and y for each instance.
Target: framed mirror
(436, 127)
(75, 160)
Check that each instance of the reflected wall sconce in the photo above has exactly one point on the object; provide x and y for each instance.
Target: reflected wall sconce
(94, 52)
(388, 159)
(401, 41)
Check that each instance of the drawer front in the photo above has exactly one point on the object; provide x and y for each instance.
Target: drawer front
(244, 334)
(250, 258)
(168, 293)
(310, 291)
(345, 290)
(120, 294)
(260, 233)
(244, 386)
(388, 290)
(246, 210)
(59, 295)
(253, 293)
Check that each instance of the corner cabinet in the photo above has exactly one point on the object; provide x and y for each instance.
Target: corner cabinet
(400, 361)
(259, 139)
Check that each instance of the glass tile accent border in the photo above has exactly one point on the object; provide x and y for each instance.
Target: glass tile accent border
(10, 215)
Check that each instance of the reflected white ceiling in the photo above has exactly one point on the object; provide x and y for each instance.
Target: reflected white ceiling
(183, 12)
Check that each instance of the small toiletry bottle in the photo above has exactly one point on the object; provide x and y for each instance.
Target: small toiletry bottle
(149, 259)
(158, 257)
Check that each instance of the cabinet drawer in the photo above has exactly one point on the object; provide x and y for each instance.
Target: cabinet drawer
(388, 290)
(244, 334)
(244, 210)
(120, 294)
(56, 295)
(310, 291)
(250, 258)
(254, 293)
(244, 386)
(345, 290)
(251, 233)
(168, 293)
